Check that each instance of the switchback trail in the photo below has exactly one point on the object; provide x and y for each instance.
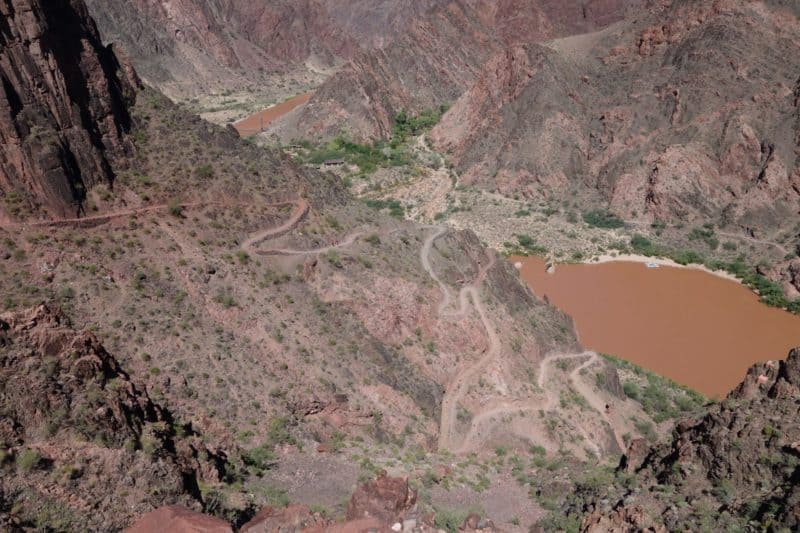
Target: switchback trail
(300, 211)
(347, 241)
(456, 389)
(595, 402)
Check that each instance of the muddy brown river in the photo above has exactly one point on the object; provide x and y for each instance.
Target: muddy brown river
(257, 122)
(694, 327)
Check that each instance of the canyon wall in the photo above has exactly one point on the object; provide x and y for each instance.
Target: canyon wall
(63, 107)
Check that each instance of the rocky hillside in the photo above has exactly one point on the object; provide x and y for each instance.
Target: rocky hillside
(195, 47)
(687, 113)
(732, 468)
(82, 446)
(436, 60)
(64, 119)
(257, 304)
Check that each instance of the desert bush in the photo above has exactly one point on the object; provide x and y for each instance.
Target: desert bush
(600, 218)
(28, 460)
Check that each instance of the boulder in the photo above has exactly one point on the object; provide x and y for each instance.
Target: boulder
(635, 456)
(621, 520)
(386, 498)
(178, 519)
(292, 518)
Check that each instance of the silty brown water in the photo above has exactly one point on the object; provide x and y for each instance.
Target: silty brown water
(696, 328)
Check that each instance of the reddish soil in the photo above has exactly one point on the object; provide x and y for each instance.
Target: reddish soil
(258, 122)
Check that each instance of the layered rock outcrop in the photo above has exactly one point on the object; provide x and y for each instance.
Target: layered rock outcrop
(385, 498)
(178, 519)
(193, 46)
(63, 107)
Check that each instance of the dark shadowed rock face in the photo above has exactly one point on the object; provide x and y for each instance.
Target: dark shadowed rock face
(63, 107)
(741, 459)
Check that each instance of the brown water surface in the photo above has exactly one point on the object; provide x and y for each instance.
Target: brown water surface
(696, 328)
(257, 122)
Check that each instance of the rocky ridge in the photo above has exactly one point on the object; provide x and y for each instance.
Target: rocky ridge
(737, 465)
(90, 447)
(685, 113)
(195, 47)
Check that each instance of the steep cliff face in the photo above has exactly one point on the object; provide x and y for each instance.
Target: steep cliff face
(438, 59)
(687, 112)
(197, 46)
(63, 107)
(193, 46)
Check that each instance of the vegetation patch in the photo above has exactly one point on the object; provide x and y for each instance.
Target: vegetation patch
(379, 154)
(600, 218)
(406, 125)
(660, 397)
(525, 246)
(395, 208)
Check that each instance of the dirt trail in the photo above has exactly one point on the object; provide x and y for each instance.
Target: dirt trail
(96, 220)
(301, 210)
(552, 400)
(730, 235)
(457, 388)
(347, 241)
(585, 390)
(766, 242)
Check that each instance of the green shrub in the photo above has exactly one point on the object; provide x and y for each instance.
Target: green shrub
(28, 460)
(204, 171)
(276, 496)
(631, 390)
(175, 208)
(260, 458)
(396, 209)
(450, 520)
(406, 125)
(602, 219)
(706, 234)
(561, 521)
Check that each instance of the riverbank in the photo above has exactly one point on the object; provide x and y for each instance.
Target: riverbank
(660, 261)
